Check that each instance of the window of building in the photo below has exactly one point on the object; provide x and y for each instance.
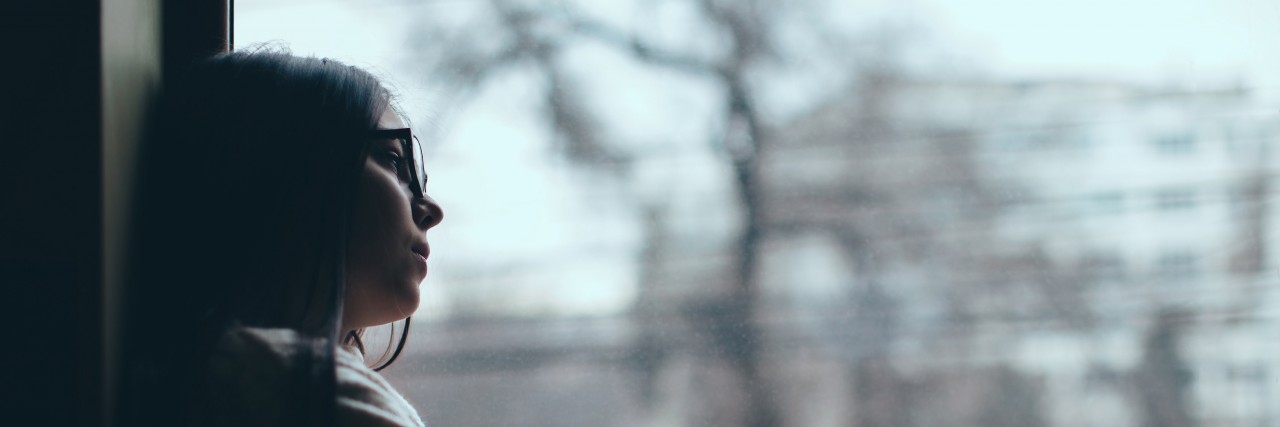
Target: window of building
(1108, 202)
(1178, 264)
(1246, 374)
(1178, 199)
(1104, 265)
(1177, 144)
(1099, 377)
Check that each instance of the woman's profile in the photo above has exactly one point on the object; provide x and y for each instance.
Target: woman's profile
(280, 210)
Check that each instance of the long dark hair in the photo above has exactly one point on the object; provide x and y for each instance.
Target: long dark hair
(244, 190)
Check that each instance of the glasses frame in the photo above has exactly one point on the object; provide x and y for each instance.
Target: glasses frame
(407, 141)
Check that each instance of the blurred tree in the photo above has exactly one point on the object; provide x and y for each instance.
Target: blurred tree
(910, 196)
(1162, 379)
(534, 33)
(1248, 260)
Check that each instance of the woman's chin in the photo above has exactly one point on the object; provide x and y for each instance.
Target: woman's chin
(408, 303)
(389, 306)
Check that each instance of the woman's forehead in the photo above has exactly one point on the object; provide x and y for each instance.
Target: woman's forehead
(390, 120)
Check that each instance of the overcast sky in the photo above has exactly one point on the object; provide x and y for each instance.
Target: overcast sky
(1016, 37)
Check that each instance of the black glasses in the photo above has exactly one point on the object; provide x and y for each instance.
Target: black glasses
(413, 174)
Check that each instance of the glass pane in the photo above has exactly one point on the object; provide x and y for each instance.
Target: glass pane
(830, 212)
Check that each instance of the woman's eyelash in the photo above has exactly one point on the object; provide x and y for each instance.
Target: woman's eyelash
(393, 158)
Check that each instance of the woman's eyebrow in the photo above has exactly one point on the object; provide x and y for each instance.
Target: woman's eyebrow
(392, 143)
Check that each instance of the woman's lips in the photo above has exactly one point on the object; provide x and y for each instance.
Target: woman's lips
(422, 250)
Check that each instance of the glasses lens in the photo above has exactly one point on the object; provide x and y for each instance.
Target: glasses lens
(419, 168)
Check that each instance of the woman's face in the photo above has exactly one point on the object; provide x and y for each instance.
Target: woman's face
(387, 254)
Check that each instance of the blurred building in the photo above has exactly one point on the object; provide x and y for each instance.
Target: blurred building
(1107, 243)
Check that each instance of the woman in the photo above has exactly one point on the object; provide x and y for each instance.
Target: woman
(280, 211)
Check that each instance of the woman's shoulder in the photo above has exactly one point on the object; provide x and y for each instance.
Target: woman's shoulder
(257, 346)
(365, 397)
(250, 368)
(249, 375)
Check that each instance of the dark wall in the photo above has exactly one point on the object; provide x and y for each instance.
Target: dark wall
(51, 219)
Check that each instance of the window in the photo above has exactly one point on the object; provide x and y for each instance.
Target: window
(1179, 199)
(627, 182)
(1251, 374)
(1177, 265)
(1108, 202)
(1176, 144)
(1099, 377)
(1103, 265)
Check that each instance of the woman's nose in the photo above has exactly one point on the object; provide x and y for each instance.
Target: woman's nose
(426, 213)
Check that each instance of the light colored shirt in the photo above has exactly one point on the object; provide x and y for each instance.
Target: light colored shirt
(252, 369)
